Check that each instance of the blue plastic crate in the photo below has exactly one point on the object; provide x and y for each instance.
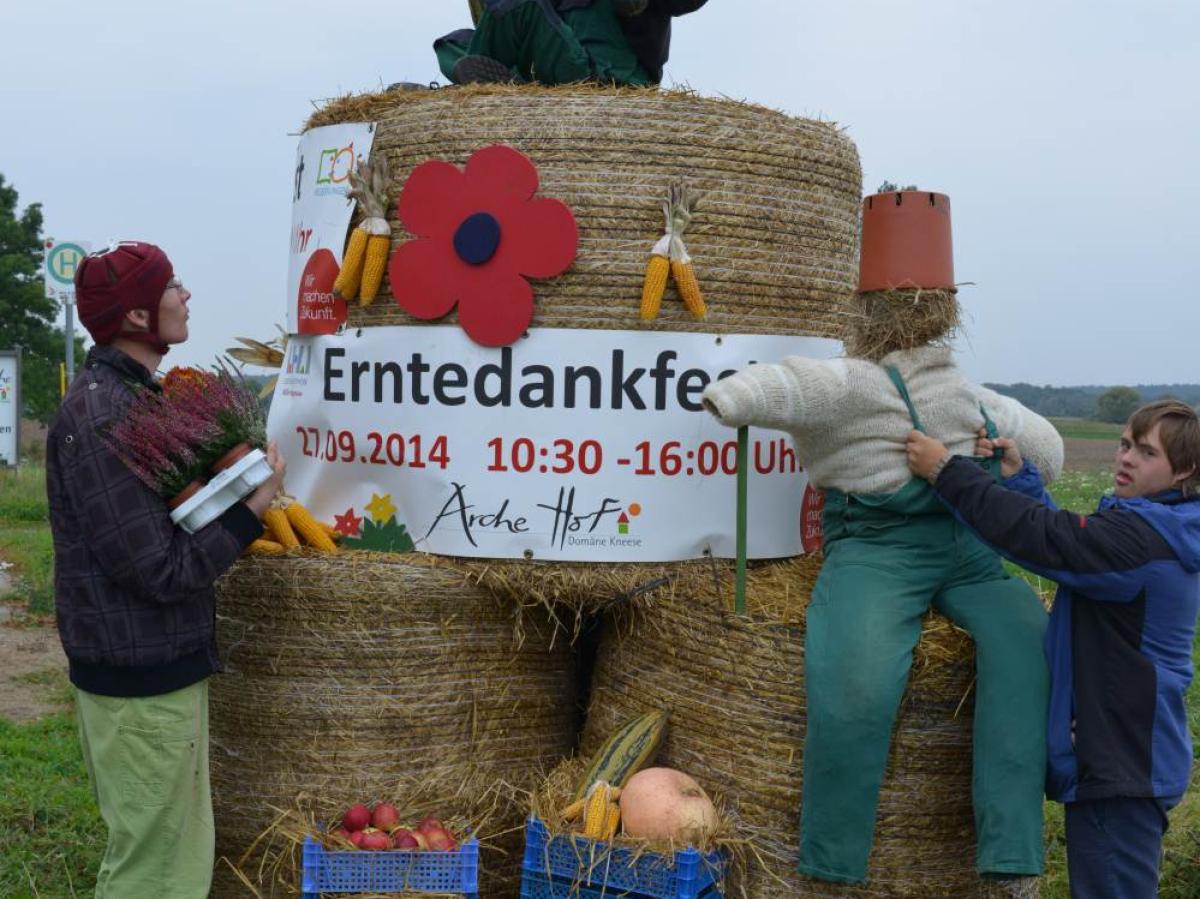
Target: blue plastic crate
(574, 867)
(394, 871)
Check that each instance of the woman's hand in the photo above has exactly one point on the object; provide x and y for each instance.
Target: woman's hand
(260, 500)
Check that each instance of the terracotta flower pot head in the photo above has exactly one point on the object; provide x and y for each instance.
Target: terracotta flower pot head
(906, 242)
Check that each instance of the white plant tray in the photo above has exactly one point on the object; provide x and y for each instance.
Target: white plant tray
(225, 489)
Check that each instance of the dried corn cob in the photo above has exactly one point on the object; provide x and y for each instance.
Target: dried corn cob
(378, 246)
(687, 285)
(597, 811)
(350, 275)
(657, 268)
(308, 529)
(267, 355)
(263, 547)
(366, 255)
(279, 527)
(670, 254)
(683, 204)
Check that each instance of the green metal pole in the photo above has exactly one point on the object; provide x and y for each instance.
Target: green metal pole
(743, 480)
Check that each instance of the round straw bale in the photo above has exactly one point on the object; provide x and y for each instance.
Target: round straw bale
(347, 673)
(735, 688)
(774, 239)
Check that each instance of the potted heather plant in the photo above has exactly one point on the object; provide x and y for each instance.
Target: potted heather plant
(199, 422)
(223, 398)
(158, 443)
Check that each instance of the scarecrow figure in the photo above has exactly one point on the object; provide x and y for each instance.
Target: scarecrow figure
(562, 41)
(892, 549)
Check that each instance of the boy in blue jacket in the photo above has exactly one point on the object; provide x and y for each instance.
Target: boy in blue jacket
(1121, 632)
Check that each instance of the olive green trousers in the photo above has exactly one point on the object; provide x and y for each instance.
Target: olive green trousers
(148, 762)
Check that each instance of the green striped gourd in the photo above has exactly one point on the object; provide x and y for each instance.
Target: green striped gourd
(629, 748)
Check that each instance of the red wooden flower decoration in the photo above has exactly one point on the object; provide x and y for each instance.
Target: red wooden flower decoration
(480, 234)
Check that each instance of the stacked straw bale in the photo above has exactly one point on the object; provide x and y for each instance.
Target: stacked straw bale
(347, 674)
(775, 239)
(341, 668)
(735, 688)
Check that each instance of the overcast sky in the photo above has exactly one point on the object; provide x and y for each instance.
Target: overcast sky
(1066, 133)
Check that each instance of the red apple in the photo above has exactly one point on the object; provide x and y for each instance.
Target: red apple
(441, 839)
(356, 818)
(376, 840)
(404, 839)
(384, 816)
(429, 823)
(356, 838)
(421, 838)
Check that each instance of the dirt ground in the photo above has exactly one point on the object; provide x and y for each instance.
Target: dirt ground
(27, 650)
(1088, 455)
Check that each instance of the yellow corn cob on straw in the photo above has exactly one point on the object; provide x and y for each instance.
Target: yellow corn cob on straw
(308, 529)
(378, 246)
(366, 256)
(330, 531)
(654, 286)
(689, 288)
(671, 255)
(597, 811)
(657, 267)
(350, 276)
(612, 822)
(683, 204)
(280, 528)
(263, 547)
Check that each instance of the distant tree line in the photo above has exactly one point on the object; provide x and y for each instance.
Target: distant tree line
(1102, 403)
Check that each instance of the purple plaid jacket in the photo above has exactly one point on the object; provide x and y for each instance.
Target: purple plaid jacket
(134, 594)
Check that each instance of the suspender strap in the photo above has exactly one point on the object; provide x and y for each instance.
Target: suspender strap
(894, 374)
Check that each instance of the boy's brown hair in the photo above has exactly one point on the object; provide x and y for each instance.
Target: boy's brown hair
(1180, 435)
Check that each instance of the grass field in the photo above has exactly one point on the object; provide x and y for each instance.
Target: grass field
(1086, 429)
(51, 836)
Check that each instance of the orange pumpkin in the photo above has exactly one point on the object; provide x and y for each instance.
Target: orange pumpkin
(666, 805)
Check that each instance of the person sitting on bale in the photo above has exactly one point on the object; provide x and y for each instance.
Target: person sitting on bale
(562, 41)
(892, 549)
(1121, 632)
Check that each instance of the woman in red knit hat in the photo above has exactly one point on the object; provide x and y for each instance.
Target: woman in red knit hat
(134, 594)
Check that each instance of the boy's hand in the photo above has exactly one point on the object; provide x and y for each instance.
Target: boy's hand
(926, 456)
(1010, 463)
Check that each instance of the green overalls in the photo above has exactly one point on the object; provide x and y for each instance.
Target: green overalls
(540, 44)
(886, 558)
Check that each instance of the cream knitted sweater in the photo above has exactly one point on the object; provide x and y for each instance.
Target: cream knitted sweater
(849, 421)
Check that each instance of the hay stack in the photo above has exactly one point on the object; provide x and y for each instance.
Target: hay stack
(347, 674)
(775, 239)
(736, 690)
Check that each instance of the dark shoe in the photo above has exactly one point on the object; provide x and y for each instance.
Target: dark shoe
(482, 70)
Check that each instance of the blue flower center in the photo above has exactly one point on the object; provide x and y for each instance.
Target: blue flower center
(477, 238)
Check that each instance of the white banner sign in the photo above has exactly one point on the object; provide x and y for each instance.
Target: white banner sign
(61, 259)
(570, 445)
(320, 217)
(10, 405)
